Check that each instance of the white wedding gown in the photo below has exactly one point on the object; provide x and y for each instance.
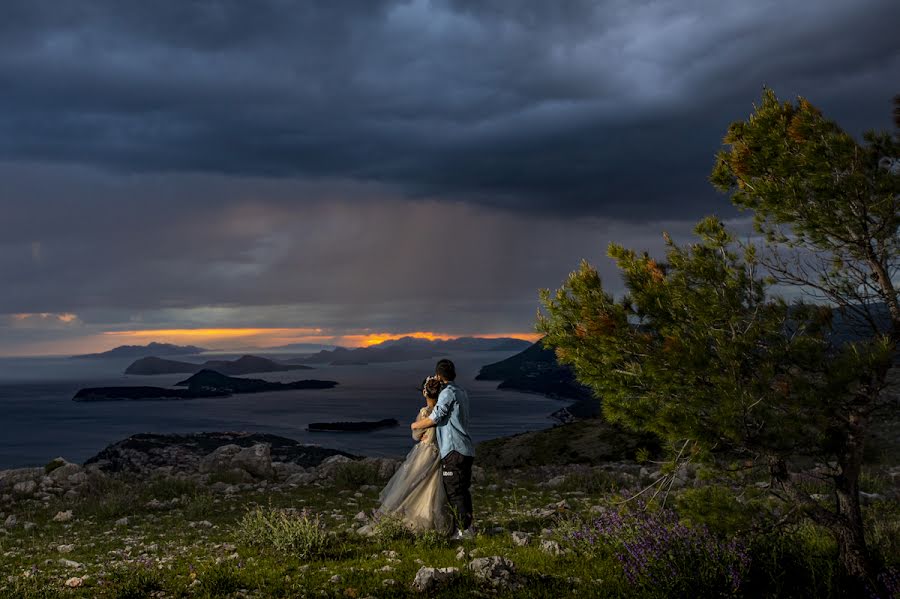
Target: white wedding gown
(416, 491)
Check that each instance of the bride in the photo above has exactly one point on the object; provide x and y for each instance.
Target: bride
(416, 493)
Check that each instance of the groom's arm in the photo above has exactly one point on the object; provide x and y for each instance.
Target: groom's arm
(438, 413)
(426, 422)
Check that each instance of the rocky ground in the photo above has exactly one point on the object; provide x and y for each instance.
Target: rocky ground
(167, 516)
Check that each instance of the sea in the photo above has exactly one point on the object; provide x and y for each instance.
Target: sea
(39, 421)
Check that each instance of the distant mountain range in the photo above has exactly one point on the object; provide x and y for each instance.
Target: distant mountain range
(296, 347)
(151, 349)
(411, 348)
(242, 365)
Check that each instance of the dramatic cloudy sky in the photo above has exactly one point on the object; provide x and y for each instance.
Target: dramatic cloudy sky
(255, 173)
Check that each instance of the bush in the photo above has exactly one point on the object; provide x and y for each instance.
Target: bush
(799, 561)
(356, 474)
(589, 481)
(720, 509)
(167, 487)
(660, 556)
(199, 507)
(283, 530)
(432, 539)
(106, 497)
(53, 465)
(133, 581)
(220, 579)
(387, 528)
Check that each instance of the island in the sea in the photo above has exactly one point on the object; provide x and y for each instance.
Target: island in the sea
(135, 351)
(206, 383)
(536, 370)
(352, 427)
(243, 365)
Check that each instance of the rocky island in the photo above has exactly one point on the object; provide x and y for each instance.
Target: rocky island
(206, 383)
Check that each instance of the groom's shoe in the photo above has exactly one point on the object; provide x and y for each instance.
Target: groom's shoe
(463, 535)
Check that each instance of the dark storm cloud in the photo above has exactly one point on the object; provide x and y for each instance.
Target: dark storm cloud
(150, 257)
(611, 108)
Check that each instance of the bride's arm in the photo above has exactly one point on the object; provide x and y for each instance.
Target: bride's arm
(417, 434)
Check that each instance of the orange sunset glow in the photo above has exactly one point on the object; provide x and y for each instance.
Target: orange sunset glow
(216, 338)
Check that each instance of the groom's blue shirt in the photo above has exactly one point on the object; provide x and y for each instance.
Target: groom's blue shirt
(451, 415)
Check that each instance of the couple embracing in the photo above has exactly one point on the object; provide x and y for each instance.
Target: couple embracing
(431, 489)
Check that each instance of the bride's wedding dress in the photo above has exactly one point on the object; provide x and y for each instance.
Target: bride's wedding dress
(416, 491)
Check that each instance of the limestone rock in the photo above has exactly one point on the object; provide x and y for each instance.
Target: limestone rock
(68, 563)
(219, 459)
(329, 465)
(25, 487)
(497, 571)
(551, 547)
(61, 474)
(257, 460)
(429, 579)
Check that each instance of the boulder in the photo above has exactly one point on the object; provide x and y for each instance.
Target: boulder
(284, 470)
(386, 467)
(219, 459)
(430, 579)
(61, 474)
(25, 487)
(8, 478)
(329, 465)
(257, 460)
(497, 571)
(520, 539)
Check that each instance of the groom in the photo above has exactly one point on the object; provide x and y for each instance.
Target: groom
(450, 416)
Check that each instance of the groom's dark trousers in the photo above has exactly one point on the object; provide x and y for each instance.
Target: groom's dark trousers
(457, 474)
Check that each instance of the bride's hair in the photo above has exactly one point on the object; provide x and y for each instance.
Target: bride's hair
(432, 387)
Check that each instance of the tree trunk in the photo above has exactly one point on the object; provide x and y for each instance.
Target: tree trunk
(847, 528)
(847, 525)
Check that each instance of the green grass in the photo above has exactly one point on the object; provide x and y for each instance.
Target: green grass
(263, 544)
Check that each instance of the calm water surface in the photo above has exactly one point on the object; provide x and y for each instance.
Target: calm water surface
(39, 420)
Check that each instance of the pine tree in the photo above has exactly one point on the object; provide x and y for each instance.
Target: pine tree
(701, 352)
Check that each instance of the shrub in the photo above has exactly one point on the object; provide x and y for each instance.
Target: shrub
(167, 487)
(387, 528)
(53, 465)
(199, 506)
(589, 481)
(220, 579)
(432, 539)
(106, 497)
(283, 530)
(355, 474)
(797, 561)
(719, 509)
(661, 557)
(133, 581)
